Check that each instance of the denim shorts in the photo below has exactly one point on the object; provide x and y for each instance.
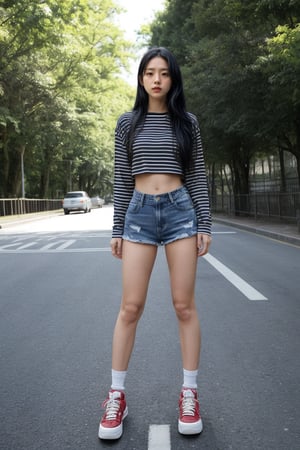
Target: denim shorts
(160, 219)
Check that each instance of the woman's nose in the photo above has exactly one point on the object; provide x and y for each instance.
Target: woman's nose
(157, 78)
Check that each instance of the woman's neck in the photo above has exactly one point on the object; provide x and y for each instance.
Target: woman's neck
(157, 107)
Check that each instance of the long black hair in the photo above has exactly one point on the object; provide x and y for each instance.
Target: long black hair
(181, 121)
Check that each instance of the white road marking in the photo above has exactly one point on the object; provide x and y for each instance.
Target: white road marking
(159, 437)
(224, 232)
(23, 247)
(7, 246)
(64, 245)
(66, 250)
(238, 282)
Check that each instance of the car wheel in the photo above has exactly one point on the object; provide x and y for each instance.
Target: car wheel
(66, 211)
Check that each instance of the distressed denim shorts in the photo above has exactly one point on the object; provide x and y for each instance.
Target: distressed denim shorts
(160, 219)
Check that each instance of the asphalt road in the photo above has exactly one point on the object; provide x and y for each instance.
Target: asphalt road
(60, 292)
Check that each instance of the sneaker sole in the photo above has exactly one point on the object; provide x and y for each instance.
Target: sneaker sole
(112, 433)
(190, 428)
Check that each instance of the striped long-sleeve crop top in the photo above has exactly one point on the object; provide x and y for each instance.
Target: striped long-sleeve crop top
(154, 152)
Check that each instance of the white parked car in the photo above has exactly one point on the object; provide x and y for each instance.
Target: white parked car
(77, 201)
(97, 202)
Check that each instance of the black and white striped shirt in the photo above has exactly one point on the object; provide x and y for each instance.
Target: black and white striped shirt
(154, 152)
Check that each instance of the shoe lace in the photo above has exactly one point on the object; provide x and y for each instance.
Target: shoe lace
(112, 407)
(188, 404)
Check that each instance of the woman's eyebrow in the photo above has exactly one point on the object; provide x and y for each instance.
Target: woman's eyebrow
(154, 68)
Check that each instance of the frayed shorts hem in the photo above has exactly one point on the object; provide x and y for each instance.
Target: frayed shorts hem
(158, 244)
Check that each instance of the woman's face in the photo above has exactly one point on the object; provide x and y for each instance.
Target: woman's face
(156, 78)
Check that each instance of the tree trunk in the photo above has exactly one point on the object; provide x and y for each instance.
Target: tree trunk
(298, 169)
(212, 186)
(282, 170)
(44, 184)
(15, 175)
(5, 164)
(297, 148)
(241, 165)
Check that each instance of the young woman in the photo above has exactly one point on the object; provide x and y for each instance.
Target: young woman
(160, 198)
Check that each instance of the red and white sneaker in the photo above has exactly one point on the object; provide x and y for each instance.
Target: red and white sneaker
(111, 424)
(189, 412)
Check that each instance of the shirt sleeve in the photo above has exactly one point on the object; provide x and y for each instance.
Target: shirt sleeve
(196, 183)
(123, 179)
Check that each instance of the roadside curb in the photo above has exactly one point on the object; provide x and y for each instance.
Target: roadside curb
(9, 221)
(273, 234)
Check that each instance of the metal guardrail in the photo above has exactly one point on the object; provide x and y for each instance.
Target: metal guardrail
(14, 206)
(278, 206)
(268, 205)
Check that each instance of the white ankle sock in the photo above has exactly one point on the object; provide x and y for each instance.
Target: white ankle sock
(190, 379)
(118, 380)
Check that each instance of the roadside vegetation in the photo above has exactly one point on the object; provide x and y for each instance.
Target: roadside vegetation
(61, 90)
(241, 66)
(60, 94)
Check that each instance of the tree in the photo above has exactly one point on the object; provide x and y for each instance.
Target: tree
(58, 85)
(219, 83)
(221, 53)
(281, 65)
(173, 28)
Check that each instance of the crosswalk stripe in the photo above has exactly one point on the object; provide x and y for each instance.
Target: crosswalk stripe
(64, 244)
(55, 250)
(23, 247)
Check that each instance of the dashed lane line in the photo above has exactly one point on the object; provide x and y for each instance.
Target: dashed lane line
(159, 437)
(238, 282)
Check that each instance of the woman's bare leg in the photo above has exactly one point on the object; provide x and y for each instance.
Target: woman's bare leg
(137, 264)
(182, 262)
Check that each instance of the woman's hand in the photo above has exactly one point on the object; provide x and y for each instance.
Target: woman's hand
(203, 243)
(116, 247)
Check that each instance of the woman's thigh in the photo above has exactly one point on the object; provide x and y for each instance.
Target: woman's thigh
(182, 262)
(137, 264)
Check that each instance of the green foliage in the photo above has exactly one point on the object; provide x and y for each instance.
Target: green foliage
(240, 63)
(281, 66)
(60, 94)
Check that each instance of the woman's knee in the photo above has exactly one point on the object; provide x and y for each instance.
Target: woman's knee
(130, 312)
(185, 311)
